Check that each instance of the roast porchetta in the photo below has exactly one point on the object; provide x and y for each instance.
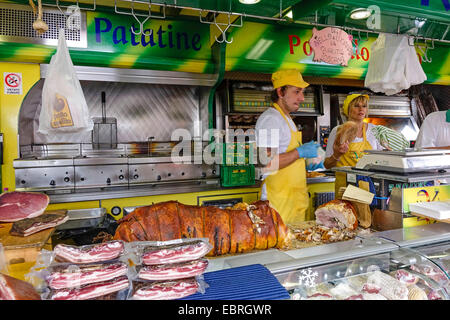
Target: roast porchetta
(229, 231)
(336, 220)
(337, 214)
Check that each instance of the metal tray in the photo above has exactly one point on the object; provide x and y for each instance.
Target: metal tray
(83, 218)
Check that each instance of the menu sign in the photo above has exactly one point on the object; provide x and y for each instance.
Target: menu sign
(331, 45)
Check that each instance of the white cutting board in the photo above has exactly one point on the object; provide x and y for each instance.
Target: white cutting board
(435, 209)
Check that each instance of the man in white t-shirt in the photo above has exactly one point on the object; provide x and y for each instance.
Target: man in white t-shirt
(285, 178)
(435, 130)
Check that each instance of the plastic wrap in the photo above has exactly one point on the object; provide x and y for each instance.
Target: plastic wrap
(49, 274)
(89, 253)
(317, 162)
(173, 271)
(113, 288)
(3, 264)
(166, 290)
(173, 251)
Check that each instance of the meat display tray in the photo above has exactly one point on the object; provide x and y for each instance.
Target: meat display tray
(252, 282)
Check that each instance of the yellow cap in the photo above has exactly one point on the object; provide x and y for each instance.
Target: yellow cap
(290, 77)
(349, 99)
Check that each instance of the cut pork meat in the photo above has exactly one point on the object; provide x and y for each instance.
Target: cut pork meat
(173, 271)
(89, 253)
(28, 226)
(15, 206)
(16, 289)
(91, 291)
(166, 290)
(70, 276)
(338, 214)
(175, 253)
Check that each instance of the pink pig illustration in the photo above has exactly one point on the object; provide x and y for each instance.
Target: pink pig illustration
(331, 45)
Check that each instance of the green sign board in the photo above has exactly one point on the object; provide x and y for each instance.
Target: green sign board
(185, 45)
(267, 47)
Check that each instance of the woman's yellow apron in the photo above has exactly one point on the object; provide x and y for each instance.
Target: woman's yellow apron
(354, 153)
(286, 188)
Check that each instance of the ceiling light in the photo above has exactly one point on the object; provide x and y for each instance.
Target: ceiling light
(289, 14)
(360, 13)
(249, 1)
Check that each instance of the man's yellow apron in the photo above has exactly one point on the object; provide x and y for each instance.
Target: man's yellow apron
(354, 153)
(286, 188)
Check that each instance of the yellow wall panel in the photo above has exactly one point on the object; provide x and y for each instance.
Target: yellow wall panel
(9, 111)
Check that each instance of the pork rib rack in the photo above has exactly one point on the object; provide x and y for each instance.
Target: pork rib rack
(228, 231)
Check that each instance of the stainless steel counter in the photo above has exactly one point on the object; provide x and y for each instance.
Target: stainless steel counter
(412, 177)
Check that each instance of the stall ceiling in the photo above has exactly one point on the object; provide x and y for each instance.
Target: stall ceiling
(430, 19)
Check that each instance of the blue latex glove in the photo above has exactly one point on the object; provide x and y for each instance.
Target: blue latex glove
(308, 150)
(315, 166)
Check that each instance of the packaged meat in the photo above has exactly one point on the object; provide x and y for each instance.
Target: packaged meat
(16, 289)
(258, 226)
(432, 272)
(91, 291)
(391, 288)
(16, 205)
(179, 250)
(406, 277)
(90, 253)
(72, 275)
(28, 226)
(416, 293)
(164, 290)
(173, 271)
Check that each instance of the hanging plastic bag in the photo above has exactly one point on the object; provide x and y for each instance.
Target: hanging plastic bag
(393, 65)
(64, 107)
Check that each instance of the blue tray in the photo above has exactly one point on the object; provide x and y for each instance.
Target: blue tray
(253, 282)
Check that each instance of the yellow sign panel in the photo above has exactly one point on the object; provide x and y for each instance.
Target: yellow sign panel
(424, 194)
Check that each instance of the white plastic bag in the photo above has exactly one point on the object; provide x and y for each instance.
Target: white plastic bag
(393, 66)
(64, 108)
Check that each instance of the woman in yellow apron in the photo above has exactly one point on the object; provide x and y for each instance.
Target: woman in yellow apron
(348, 154)
(286, 187)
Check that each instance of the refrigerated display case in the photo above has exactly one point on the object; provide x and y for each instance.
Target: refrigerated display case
(439, 254)
(400, 274)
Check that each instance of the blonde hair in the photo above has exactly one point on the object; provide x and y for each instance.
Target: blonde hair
(356, 102)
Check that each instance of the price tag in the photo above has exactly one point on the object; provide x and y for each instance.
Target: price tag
(351, 178)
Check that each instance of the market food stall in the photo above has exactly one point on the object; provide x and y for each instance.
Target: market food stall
(155, 74)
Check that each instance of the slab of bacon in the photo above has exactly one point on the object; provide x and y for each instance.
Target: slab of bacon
(70, 276)
(173, 271)
(166, 290)
(89, 253)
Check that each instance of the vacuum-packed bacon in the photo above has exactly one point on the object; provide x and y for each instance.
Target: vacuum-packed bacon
(69, 276)
(173, 271)
(166, 290)
(92, 290)
(174, 253)
(90, 253)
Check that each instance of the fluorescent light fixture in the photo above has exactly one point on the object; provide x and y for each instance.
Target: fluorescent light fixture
(360, 13)
(249, 1)
(259, 49)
